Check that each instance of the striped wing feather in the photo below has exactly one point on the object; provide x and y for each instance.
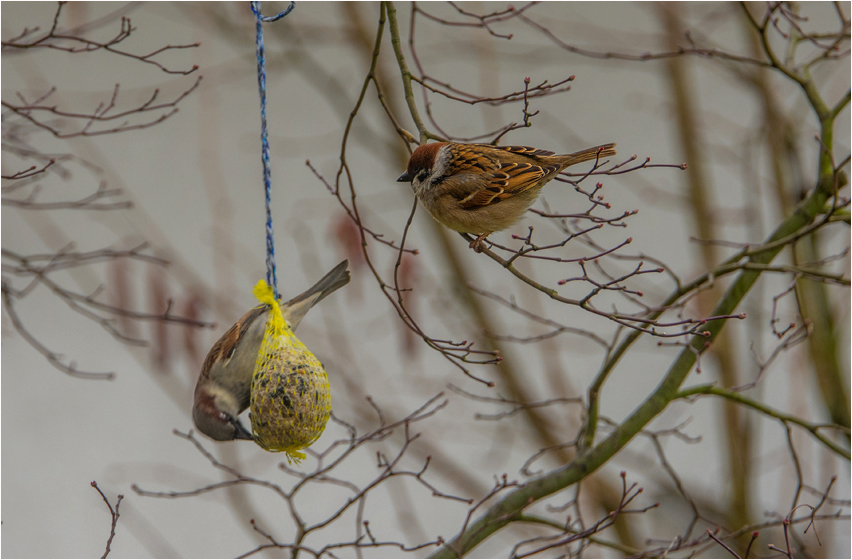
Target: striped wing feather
(225, 346)
(523, 150)
(510, 180)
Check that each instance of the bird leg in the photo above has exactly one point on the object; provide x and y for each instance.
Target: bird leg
(476, 244)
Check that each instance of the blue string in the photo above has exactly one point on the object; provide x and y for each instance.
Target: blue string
(271, 273)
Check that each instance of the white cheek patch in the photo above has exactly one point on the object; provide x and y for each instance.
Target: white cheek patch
(441, 161)
(439, 169)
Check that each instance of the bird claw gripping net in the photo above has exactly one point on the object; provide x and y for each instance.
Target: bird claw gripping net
(290, 395)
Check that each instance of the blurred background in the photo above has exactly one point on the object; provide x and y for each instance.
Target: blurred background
(159, 212)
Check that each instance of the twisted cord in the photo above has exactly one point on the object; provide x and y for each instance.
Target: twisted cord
(271, 273)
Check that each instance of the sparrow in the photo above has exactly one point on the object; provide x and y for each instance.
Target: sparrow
(223, 389)
(480, 188)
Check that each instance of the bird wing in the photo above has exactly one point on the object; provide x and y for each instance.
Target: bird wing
(224, 348)
(522, 150)
(509, 180)
(295, 309)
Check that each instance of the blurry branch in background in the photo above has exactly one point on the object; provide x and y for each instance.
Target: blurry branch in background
(103, 113)
(812, 299)
(569, 535)
(776, 14)
(738, 429)
(113, 513)
(444, 89)
(518, 406)
(143, 115)
(333, 466)
(24, 188)
(89, 202)
(430, 84)
(812, 427)
(475, 20)
(558, 328)
(61, 40)
(36, 268)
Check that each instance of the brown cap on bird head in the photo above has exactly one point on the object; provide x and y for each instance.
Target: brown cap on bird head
(422, 158)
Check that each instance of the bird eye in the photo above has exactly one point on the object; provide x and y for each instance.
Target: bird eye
(422, 175)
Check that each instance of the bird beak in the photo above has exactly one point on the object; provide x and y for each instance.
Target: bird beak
(241, 432)
(404, 178)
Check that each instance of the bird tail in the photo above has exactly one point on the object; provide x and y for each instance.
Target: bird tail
(598, 152)
(296, 308)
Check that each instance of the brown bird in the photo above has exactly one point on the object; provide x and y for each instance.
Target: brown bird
(480, 188)
(223, 390)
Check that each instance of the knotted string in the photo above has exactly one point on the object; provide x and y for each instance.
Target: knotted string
(271, 275)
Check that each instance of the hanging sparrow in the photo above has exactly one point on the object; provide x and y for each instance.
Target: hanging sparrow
(480, 188)
(223, 390)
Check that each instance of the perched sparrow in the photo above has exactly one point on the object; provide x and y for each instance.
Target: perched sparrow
(223, 389)
(480, 188)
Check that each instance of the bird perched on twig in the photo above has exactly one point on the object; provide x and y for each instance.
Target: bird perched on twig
(480, 188)
(223, 390)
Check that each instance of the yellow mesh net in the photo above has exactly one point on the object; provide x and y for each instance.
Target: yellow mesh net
(290, 395)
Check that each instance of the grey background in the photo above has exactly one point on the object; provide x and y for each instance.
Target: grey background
(195, 181)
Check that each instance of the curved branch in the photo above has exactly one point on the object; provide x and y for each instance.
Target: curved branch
(760, 407)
